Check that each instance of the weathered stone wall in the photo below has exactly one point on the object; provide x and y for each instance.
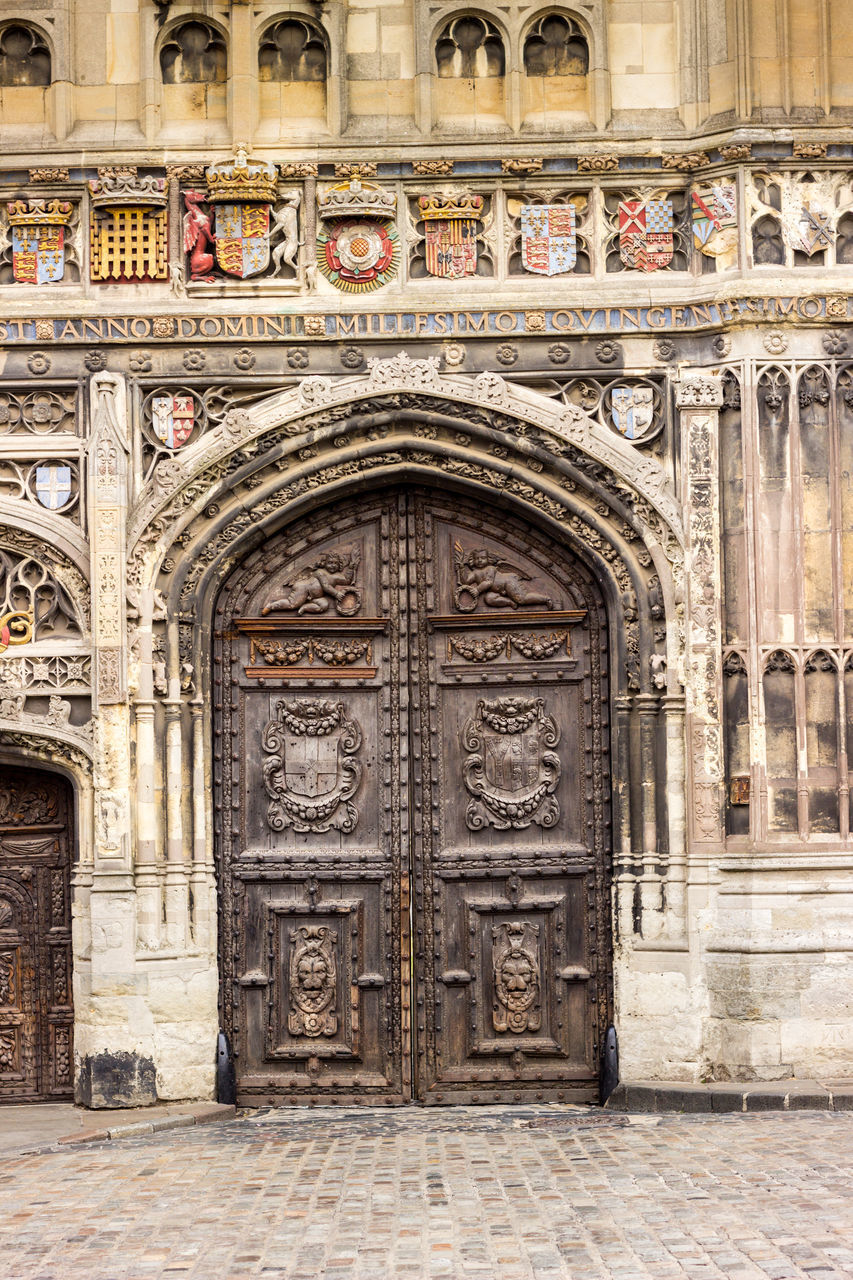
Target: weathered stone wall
(721, 521)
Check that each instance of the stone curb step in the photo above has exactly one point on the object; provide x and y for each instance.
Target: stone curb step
(649, 1096)
(211, 1114)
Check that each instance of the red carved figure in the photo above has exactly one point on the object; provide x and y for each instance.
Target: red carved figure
(198, 240)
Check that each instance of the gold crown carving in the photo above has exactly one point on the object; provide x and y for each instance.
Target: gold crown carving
(243, 181)
(123, 192)
(450, 207)
(357, 197)
(39, 213)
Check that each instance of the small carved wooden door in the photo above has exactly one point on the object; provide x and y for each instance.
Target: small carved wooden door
(36, 1017)
(412, 809)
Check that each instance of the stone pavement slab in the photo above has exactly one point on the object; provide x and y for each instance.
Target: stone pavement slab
(731, 1095)
(533, 1193)
(29, 1127)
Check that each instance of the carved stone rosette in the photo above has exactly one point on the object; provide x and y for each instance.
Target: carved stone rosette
(311, 771)
(313, 981)
(512, 772)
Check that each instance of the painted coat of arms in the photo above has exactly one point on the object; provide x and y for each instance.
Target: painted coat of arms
(241, 195)
(646, 233)
(311, 772)
(714, 212)
(173, 419)
(512, 770)
(548, 242)
(450, 234)
(632, 410)
(358, 249)
(53, 485)
(38, 240)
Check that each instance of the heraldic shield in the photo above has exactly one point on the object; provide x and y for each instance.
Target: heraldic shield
(646, 233)
(53, 485)
(173, 419)
(38, 239)
(243, 238)
(632, 410)
(512, 771)
(714, 210)
(38, 254)
(548, 243)
(311, 772)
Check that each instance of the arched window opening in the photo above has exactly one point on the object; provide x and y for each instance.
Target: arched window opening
(24, 58)
(292, 51)
(556, 47)
(194, 53)
(469, 48)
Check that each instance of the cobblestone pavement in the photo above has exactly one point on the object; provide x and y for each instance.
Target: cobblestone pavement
(482, 1193)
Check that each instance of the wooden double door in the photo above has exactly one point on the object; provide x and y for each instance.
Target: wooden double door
(36, 1016)
(412, 809)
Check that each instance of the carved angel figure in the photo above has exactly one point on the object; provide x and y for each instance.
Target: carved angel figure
(482, 575)
(329, 581)
(286, 224)
(198, 237)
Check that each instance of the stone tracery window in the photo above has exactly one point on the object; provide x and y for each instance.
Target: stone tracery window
(469, 48)
(556, 47)
(24, 58)
(292, 50)
(194, 53)
(787, 541)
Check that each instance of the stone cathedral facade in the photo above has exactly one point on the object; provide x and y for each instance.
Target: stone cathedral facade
(426, 546)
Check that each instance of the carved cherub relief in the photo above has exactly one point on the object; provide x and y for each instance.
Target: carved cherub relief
(481, 575)
(330, 582)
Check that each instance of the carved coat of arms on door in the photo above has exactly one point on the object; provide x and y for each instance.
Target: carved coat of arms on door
(512, 770)
(312, 772)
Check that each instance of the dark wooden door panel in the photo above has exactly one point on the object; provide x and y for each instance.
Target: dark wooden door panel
(316, 986)
(511, 875)
(36, 1016)
(311, 804)
(415, 694)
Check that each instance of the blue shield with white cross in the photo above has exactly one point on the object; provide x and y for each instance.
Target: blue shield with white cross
(53, 486)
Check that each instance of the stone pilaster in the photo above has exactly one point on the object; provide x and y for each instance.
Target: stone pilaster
(699, 398)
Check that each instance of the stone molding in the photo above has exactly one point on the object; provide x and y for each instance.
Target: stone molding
(399, 374)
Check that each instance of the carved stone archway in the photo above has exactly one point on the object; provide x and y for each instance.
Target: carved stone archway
(403, 420)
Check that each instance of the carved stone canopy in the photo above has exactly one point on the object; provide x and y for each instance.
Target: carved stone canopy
(703, 391)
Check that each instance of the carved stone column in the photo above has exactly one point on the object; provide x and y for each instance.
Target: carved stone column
(100, 1037)
(699, 397)
(107, 472)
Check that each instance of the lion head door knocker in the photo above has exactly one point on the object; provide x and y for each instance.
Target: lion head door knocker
(311, 771)
(512, 771)
(517, 976)
(331, 582)
(483, 576)
(313, 981)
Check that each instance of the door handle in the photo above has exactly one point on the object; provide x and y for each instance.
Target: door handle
(254, 978)
(456, 978)
(574, 973)
(370, 980)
